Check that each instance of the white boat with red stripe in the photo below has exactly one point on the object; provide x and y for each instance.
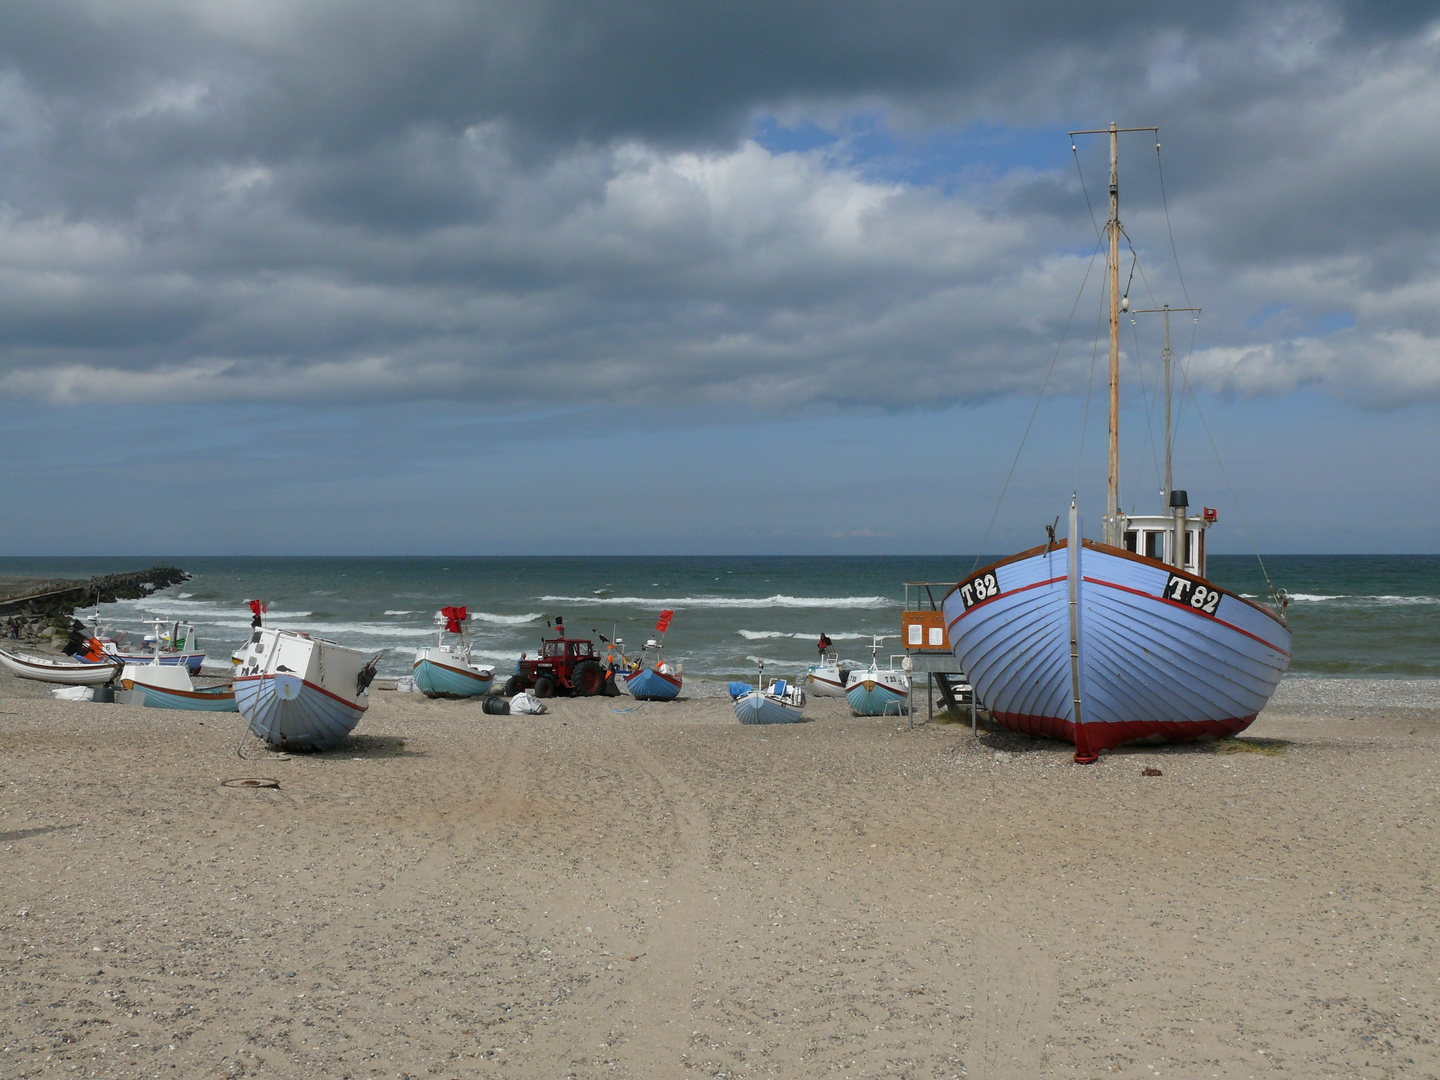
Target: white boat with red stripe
(299, 692)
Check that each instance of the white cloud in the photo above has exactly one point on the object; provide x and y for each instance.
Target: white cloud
(206, 217)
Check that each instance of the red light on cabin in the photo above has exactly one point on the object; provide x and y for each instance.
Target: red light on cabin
(1211, 515)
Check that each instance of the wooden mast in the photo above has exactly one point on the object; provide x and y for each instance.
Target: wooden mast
(1114, 521)
(1112, 495)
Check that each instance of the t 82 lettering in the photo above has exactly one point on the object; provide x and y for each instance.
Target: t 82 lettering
(1183, 590)
(980, 587)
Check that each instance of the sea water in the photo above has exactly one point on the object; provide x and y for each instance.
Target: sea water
(1352, 615)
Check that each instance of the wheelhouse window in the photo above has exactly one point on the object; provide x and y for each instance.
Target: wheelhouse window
(1130, 540)
(1155, 545)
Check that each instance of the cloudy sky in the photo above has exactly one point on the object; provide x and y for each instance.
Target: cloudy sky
(294, 276)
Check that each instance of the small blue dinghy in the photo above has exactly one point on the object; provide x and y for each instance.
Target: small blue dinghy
(652, 678)
(779, 703)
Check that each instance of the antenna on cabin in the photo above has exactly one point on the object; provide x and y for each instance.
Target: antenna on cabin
(1166, 357)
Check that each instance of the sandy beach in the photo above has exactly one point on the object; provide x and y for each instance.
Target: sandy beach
(612, 891)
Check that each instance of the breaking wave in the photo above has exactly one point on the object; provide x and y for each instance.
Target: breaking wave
(765, 635)
(1364, 601)
(779, 600)
(505, 620)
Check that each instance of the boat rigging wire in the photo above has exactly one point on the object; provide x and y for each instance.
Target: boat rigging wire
(1165, 202)
(1090, 386)
(1038, 399)
(1274, 594)
(1145, 402)
(1075, 153)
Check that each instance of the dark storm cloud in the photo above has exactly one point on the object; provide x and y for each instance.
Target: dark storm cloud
(531, 200)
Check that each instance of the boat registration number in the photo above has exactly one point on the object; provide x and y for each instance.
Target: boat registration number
(1184, 591)
(980, 587)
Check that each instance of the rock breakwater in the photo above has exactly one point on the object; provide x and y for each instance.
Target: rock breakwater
(33, 609)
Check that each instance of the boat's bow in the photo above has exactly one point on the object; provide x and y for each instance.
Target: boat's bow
(1159, 653)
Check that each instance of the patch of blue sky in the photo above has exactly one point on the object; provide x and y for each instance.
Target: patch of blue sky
(1333, 321)
(942, 157)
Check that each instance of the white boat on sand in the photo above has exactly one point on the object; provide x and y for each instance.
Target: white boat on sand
(299, 692)
(158, 685)
(68, 672)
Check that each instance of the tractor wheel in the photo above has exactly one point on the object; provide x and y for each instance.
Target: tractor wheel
(512, 686)
(544, 686)
(588, 678)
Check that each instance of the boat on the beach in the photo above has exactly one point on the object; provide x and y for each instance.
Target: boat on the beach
(1105, 642)
(829, 675)
(781, 702)
(660, 681)
(178, 645)
(299, 692)
(444, 669)
(169, 686)
(70, 672)
(878, 691)
(653, 677)
(157, 685)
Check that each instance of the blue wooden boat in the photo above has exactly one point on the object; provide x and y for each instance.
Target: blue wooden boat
(444, 669)
(654, 683)
(1103, 643)
(654, 678)
(1090, 643)
(440, 673)
(878, 691)
(299, 692)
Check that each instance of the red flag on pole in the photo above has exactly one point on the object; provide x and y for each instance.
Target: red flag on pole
(454, 616)
(664, 623)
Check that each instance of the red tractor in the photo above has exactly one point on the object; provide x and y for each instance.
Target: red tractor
(565, 665)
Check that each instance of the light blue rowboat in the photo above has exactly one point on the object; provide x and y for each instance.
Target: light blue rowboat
(289, 712)
(780, 704)
(206, 699)
(440, 673)
(651, 684)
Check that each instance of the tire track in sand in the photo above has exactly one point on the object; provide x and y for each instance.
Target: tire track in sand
(1015, 995)
(660, 996)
